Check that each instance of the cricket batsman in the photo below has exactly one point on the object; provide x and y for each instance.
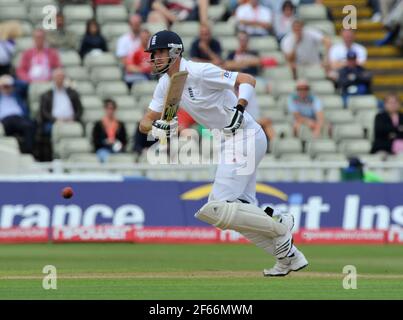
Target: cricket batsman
(209, 97)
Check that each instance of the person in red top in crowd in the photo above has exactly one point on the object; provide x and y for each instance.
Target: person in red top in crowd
(38, 63)
(137, 63)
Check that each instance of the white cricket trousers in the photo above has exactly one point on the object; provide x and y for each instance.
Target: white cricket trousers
(236, 172)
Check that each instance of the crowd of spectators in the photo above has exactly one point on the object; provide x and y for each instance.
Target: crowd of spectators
(302, 46)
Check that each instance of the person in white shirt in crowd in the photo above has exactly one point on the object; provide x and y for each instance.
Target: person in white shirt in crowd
(61, 103)
(14, 113)
(302, 46)
(130, 41)
(254, 19)
(283, 20)
(338, 52)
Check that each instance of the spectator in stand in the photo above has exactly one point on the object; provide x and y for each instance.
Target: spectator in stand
(301, 46)
(130, 41)
(338, 52)
(254, 19)
(306, 109)
(283, 20)
(61, 38)
(389, 127)
(38, 63)
(205, 48)
(14, 113)
(93, 39)
(170, 11)
(9, 31)
(244, 59)
(109, 134)
(137, 64)
(353, 79)
(61, 103)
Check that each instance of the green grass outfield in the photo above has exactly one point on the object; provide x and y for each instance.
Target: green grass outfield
(133, 271)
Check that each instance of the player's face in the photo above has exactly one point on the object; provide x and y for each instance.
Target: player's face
(160, 59)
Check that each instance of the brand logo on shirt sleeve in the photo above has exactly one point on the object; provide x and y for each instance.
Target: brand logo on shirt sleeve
(227, 74)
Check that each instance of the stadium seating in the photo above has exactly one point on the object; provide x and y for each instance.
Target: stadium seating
(286, 145)
(312, 12)
(77, 13)
(115, 13)
(69, 146)
(100, 76)
(321, 146)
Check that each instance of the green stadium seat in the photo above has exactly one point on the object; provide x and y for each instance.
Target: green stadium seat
(348, 131)
(322, 87)
(278, 73)
(223, 29)
(108, 13)
(187, 28)
(16, 11)
(283, 130)
(321, 146)
(92, 115)
(339, 116)
(326, 26)
(331, 102)
(276, 115)
(354, 147)
(69, 146)
(263, 44)
(91, 102)
(125, 102)
(216, 12)
(365, 102)
(107, 89)
(77, 73)
(114, 29)
(312, 73)
(83, 158)
(70, 58)
(133, 115)
(104, 59)
(106, 74)
(295, 157)
(286, 145)
(312, 12)
(77, 13)
(83, 87)
(283, 87)
(145, 88)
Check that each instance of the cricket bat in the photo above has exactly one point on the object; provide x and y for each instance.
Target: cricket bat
(173, 96)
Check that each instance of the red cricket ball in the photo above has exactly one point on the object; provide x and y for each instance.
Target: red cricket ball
(67, 193)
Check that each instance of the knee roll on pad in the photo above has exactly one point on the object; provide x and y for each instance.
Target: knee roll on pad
(240, 217)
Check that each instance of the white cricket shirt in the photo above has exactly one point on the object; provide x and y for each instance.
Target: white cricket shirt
(208, 95)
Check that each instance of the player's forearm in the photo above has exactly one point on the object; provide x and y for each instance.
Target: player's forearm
(246, 84)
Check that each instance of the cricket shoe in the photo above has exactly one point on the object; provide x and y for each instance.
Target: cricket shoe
(284, 266)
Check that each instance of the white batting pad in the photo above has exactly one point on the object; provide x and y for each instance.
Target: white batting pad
(241, 217)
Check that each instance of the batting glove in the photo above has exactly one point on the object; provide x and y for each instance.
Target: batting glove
(162, 128)
(236, 120)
